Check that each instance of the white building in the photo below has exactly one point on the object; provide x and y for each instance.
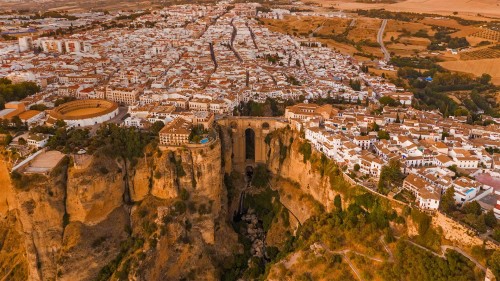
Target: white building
(25, 44)
(37, 140)
(427, 195)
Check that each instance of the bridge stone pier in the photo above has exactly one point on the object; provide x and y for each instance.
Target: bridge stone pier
(248, 139)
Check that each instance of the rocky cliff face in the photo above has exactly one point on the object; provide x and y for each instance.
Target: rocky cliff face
(163, 216)
(93, 193)
(40, 210)
(191, 237)
(286, 161)
(74, 222)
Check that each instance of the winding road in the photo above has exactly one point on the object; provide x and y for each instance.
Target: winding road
(317, 29)
(380, 40)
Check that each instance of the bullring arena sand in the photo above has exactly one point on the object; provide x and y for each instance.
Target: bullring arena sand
(470, 8)
(83, 112)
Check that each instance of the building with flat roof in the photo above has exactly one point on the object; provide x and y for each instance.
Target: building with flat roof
(126, 96)
(12, 109)
(427, 194)
(306, 111)
(176, 132)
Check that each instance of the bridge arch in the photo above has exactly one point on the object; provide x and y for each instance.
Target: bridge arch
(250, 145)
(244, 130)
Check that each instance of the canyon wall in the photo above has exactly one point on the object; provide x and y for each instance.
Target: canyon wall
(163, 216)
(70, 224)
(286, 161)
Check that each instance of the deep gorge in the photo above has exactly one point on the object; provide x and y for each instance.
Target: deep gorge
(77, 223)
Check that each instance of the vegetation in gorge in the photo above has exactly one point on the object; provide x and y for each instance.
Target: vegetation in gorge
(261, 176)
(360, 227)
(266, 205)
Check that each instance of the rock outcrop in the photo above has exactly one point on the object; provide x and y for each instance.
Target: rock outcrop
(70, 224)
(93, 193)
(40, 211)
(286, 160)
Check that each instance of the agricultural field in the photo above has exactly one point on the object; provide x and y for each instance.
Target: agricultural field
(364, 29)
(476, 10)
(483, 53)
(476, 67)
(305, 26)
(423, 36)
(316, 28)
(400, 40)
(488, 34)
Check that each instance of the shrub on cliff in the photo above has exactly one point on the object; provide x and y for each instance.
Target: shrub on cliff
(306, 150)
(261, 176)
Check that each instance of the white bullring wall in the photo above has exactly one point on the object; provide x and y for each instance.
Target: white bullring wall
(92, 121)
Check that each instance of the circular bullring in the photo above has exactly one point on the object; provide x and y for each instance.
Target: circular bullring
(82, 113)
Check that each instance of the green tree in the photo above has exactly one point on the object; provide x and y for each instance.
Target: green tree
(485, 79)
(60, 123)
(197, 133)
(447, 203)
(39, 107)
(355, 84)
(494, 264)
(63, 100)
(337, 202)
(157, 126)
(461, 112)
(496, 233)
(18, 123)
(15, 92)
(490, 219)
(444, 135)
(388, 101)
(390, 176)
(472, 207)
(356, 167)
(383, 135)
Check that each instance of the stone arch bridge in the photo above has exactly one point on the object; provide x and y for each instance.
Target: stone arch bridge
(248, 138)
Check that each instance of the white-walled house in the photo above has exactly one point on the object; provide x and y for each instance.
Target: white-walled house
(37, 140)
(427, 195)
